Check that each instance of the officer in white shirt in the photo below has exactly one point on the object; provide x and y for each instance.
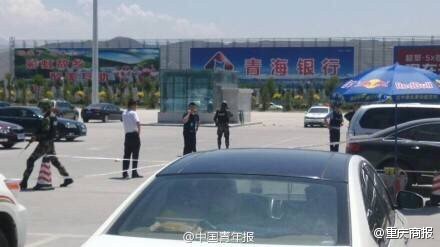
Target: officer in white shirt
(132, 144)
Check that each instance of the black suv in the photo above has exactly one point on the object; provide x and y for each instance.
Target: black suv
(30, 118)
(418, 147)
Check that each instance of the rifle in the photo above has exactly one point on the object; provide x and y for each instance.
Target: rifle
(27, 146)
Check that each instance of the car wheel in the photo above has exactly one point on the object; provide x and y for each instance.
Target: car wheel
(70, 139)
(3, 240)
(105, 119)
(305, 125)
(411, 177)
(86, 120)
(8, 145)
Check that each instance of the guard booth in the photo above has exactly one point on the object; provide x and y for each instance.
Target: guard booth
(207, 88)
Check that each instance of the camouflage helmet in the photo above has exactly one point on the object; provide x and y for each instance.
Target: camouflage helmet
(45, 105)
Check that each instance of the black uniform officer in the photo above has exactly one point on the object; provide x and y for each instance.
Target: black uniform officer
(334, 123)
(45, 136)
(221, 119)
(190, 127)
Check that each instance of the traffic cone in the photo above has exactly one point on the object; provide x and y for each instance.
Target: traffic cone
(435, 194)
(45, 177)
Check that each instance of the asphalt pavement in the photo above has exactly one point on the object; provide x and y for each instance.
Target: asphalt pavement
(68, 216)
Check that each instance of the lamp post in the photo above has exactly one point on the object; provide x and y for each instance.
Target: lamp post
(95, 59)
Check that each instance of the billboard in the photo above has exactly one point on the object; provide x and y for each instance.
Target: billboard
(75, 64)
(425, 57)
(287, 63)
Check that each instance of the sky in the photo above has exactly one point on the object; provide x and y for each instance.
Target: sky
(161, 19)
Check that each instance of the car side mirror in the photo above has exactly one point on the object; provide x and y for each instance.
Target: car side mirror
(409, 200)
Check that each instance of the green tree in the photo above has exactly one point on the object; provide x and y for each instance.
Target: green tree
(9, 86)
(266, 93)
(288, 101)
(21, 86)
(41, 85)
(330, 85)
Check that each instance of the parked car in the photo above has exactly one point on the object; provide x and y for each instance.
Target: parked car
(30, 118)
(64, 109)
(275, 107)
(3, 104)
(372, 118)
(10, 134)
(309, 198)
(316, 116)
(13, 215)
(101, 111)
(418, 147)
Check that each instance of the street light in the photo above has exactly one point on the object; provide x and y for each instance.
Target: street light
(95, 59)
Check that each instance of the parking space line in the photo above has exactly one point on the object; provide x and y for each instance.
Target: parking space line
(43, 241)
(61, 235)
(49, 237)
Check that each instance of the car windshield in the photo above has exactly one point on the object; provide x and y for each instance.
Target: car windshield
(318, 110)
(37, 111)
(275, 210)
(63, 105)
(96, 106)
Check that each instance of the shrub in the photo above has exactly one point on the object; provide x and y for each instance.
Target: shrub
(49, 94)
(103, 96)
(79, 96)
(298, 101)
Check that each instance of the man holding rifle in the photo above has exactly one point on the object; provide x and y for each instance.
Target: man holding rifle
(45, 136)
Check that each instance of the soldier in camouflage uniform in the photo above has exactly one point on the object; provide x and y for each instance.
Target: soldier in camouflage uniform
(45, 137)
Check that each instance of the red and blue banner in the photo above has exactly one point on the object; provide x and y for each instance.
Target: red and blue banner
(277, 62)
(424, 57)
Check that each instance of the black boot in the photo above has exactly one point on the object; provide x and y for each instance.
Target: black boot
(66, 183)
(43, 187)
(136, 175)
(23, 184)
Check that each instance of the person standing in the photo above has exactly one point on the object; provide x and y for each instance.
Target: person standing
(221, 119)
(132, 143)
(190, 127)
(45, 136)
(334, 122)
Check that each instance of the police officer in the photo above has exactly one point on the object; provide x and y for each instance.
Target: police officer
(221, 119)
(190, 127)
(334, 122)
(45, 136)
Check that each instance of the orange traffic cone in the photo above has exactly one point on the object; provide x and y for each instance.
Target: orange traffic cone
(435, 194)
(45, 177)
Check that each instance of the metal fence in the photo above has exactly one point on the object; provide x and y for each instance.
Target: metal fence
(369, 52)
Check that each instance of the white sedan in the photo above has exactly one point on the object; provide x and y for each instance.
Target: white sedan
(12, 215)
(260, 197)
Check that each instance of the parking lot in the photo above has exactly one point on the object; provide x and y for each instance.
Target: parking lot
(68, 216)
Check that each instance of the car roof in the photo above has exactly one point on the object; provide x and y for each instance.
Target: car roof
(101, 104)
(405, 125)
(269, 162)
(21, 107)
(415, 105)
